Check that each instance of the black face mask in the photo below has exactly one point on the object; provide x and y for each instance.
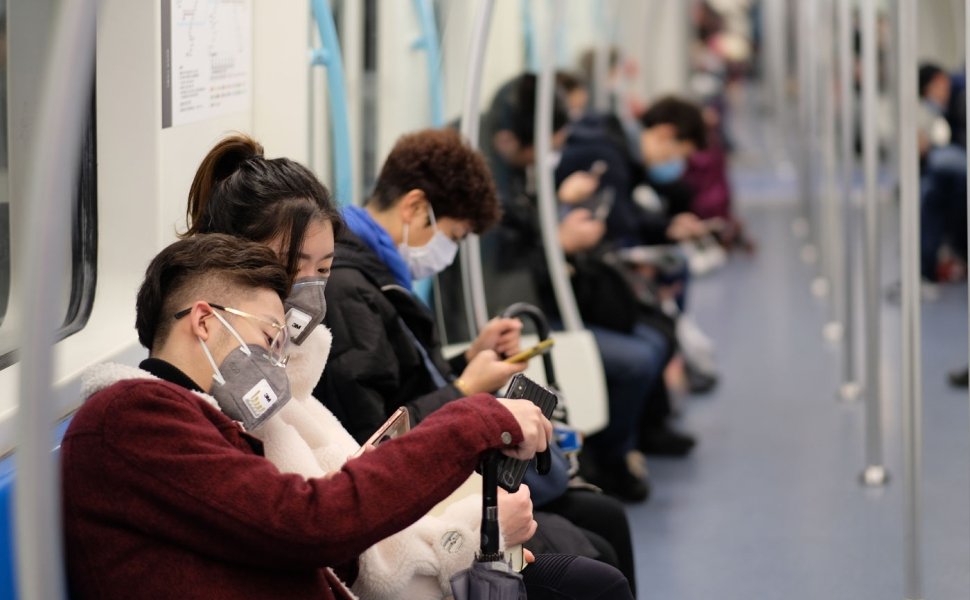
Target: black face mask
(306, 307)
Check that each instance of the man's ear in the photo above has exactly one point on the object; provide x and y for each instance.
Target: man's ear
(412, 206)
(506, 144)
(199, 320)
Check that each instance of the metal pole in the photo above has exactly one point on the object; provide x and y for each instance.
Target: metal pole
(805, 225)
(776, 53)
(966, 66)
(800, 224)
(850, 388)
(818, 253)
(875, 473)
(911, 355)
(548, 220)
(59, 124)
(473, 282)
(831, 233)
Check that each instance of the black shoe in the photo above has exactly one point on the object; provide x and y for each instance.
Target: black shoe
(615, 479)
(663, 441)
(700, 383)
(959, 378)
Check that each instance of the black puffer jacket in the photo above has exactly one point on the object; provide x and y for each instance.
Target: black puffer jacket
(374, 365)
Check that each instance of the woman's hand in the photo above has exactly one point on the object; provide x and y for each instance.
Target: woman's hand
(487, 373)
(501, 335)
(515, 517)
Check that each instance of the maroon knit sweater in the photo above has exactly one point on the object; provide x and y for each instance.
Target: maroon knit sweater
(166, 497)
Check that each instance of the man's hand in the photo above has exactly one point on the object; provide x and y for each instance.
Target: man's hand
(686, 226)
(515, 516)
(536, 429)
(577, 187)
(579, 231)
(501, 335)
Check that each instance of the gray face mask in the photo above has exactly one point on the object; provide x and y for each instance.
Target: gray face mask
(306, 307)
(248, 387)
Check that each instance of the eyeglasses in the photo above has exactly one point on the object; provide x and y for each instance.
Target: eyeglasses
(280, 339)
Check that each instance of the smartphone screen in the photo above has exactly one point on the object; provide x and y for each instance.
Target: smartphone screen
(604, 204)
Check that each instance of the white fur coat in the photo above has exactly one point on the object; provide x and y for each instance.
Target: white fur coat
(307, 439)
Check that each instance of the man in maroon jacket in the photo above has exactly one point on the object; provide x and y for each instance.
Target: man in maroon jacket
(165, 496)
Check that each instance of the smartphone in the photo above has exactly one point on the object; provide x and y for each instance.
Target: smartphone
(598, 168)
(396, 425)
(540, 348)
(604, 204)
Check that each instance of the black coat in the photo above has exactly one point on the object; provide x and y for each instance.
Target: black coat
(374, 365)
(601, 138)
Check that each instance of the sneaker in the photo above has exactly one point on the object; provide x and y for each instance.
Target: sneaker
(663, 441)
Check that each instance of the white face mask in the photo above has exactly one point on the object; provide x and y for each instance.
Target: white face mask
(432, 258)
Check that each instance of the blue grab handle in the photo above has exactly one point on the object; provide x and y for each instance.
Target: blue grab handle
(529, 32)
(430, 43)
(330, 57)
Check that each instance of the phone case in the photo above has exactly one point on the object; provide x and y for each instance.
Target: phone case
(512, 470)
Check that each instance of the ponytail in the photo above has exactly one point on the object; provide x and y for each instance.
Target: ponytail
(239, 192)
(218, 165)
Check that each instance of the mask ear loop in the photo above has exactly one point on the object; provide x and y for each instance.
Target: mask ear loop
(434, 222)
(242, 344)
(216, 373)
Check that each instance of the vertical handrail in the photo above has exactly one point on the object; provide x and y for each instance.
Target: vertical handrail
(966, 62)
(831, 231)
(850, 388)
(472, 279)
(329, 56)
(776, 55)
(875, 472)
(431, 45)
(545, 185)
(911, 354)
(802, 225)
(819, 283)
(57, 141)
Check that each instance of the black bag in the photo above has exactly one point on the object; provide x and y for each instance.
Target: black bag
(603, 294)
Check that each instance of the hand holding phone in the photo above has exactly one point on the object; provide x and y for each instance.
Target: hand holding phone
(540, 348)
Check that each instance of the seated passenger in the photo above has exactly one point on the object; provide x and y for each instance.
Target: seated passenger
(166, 495)
(673, 130)
(281, 204)
(432, 191)
(634, 354)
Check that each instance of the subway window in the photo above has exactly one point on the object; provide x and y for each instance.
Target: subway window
(77, 302)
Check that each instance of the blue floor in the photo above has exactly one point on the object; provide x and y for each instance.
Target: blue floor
(769, 505)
